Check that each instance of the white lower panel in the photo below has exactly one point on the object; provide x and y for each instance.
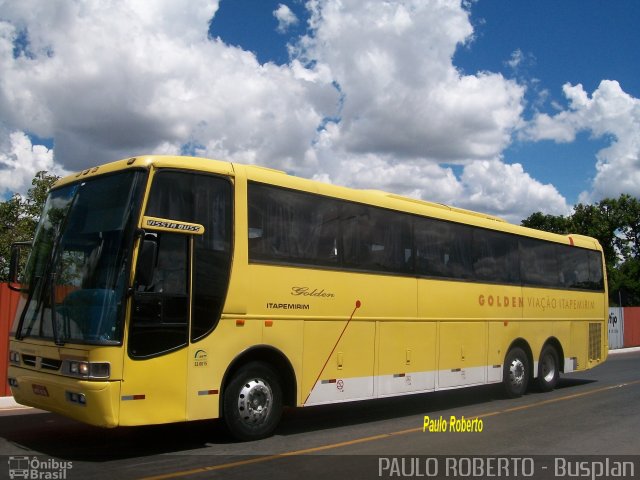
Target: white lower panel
(494, 373)
(570, 364)
(413, 382)
(461, 376)
(341, 390)
(362, 388)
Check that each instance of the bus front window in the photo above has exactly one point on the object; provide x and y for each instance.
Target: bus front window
(76, 275)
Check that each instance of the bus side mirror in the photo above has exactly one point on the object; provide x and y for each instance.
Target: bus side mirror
(16, 267)
(147, 258)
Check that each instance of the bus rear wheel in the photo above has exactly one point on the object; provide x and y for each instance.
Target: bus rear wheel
(253, 402)
(515, 377)
(548, 369)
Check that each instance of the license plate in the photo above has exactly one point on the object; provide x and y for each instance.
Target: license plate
(40, 390)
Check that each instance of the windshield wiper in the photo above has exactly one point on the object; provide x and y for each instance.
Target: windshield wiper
(32, 288)
(54, 321)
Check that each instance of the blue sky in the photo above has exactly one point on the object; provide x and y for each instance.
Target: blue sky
(506, 107)
(252, 25)
(580, 42)
(563, 41)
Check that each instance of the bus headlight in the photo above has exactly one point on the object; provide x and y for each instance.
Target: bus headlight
(88, 370)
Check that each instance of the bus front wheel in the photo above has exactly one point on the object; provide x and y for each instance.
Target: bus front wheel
(515, 376)
(548, 369)
(253, 402)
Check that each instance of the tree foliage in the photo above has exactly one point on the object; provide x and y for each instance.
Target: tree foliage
(615, 223)
(19, 217)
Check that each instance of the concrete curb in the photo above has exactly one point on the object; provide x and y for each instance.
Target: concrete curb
(624, 350)
(8, 403)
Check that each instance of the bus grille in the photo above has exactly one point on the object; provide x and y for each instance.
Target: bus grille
(595, 341)
(41, 362)
(50, 364)
(29, 360)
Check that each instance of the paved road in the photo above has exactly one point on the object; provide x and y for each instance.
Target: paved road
(590, 413)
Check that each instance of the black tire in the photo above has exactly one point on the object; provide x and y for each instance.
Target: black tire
(515, 374)
(548, 369)
(253, 402)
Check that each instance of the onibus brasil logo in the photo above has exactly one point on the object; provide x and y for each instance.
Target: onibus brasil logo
(34, 468)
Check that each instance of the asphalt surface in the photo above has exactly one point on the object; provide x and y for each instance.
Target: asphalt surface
(594, 413)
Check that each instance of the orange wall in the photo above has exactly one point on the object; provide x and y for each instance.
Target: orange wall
(8, 305)
(632, 326)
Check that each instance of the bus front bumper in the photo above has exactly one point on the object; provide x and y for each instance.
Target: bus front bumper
(92, 402)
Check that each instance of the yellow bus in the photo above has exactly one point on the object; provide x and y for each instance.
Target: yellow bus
(165, 289)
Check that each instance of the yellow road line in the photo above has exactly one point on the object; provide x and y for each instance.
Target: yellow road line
(279, 455)
(373, 438)
(554, 400)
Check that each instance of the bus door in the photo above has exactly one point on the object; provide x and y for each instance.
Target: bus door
(155, 365)
(182, 277)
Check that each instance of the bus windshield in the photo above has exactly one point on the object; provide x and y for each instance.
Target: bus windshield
(76, 275)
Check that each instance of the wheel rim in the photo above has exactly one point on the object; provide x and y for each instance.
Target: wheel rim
(548, 368)
(516, 372)
(254, 402)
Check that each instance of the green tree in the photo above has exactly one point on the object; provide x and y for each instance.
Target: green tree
(600, 221)
(628, 241)
(548, 223)
(625, 282)
(19, 217)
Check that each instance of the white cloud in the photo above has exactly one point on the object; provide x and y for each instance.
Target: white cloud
(286, 18)
(517, 57)
(382, 106)
(489, 186)
(610, 113)
(112, 80)
(508, 191)
(402, 94)
(20, 160)
(407, 111)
